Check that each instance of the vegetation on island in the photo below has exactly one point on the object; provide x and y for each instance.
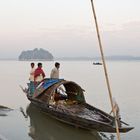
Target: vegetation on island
(36, 54)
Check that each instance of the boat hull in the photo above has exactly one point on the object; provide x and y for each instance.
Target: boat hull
(77, 121)
(72, 108)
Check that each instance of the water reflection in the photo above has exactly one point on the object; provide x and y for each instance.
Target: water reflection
(42, 127)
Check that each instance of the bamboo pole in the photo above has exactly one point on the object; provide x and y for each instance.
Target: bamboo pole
(105, 69)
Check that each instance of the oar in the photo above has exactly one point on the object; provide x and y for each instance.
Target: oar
(124, 123)
(22, 111)
(24, 90)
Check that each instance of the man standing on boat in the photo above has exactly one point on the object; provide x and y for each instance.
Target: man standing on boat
(55, 71)
(60, 91)
(39, 74)
(31, 78)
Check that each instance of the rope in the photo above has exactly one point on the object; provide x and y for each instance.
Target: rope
(105, 69)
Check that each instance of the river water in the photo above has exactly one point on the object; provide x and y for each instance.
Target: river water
(32, 124)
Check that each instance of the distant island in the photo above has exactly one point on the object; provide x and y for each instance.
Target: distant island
(36, 54)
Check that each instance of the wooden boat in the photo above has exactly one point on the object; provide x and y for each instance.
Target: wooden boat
(64, 100)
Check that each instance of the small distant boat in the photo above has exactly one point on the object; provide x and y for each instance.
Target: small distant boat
(97, 63)
(64, 100)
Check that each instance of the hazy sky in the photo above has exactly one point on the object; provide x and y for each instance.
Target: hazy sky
(66, 27)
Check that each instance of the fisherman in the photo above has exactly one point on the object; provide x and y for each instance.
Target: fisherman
(60, 91)
(31, 79)
(39, 74)
(55, 71)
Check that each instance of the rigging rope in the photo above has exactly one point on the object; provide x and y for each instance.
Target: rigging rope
(105, 69)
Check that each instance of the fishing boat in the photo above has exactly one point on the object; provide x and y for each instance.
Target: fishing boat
(97, 63)
(65, 101)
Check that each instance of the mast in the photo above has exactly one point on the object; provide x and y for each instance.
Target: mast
(105, 69)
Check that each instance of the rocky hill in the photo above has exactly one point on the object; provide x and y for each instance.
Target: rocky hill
(36, 54)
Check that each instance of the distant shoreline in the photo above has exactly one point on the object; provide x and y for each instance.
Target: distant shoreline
(110, 58)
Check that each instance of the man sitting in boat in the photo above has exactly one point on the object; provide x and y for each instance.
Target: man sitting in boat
(38, 74)
(60, 95)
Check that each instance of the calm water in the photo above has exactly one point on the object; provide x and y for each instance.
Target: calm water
(125, 83)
